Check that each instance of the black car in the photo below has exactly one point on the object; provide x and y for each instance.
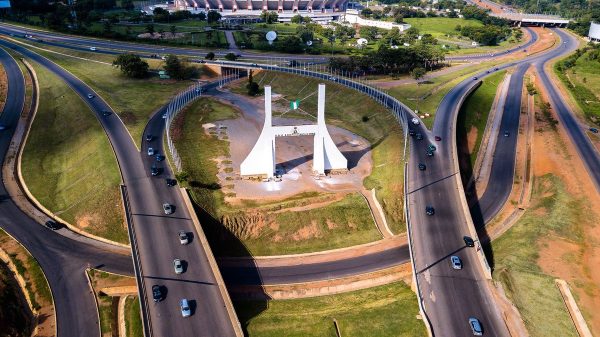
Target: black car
(53, 225)
(154, 170)
(469, 241)
(429, 210)
(431, 147)
(419, 136)
(422, 167)
(160, 157)
(106, 112)
(429, 153)
(506, 134)
(157, 294)
(148, 138)
(594, 130)
(171, 182)
(411, 133)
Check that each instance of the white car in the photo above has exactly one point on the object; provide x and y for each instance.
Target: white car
(415, 121)
(456, 262)
(150, 151)
(93, 48)
(178, 266)
(90, 96)
(167, 208)
(183, 238)
(185, 308)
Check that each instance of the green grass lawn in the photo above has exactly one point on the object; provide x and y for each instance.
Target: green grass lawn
(475, 112)
(583, 83)
(350, 221)
(388, 310)
(440, 27)
(68, 163)
(133, 318)
(555, 213)
(134, 100)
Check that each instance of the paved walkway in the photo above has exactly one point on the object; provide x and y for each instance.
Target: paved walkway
(231, 40)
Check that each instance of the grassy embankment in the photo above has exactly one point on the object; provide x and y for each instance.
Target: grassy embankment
(134, 100)
(35, 282)
(107, 305)
(133, 318)
(583, 82)
(388, 310)
(68, 163)
(473, 118)
(261, 231)
(554, 213)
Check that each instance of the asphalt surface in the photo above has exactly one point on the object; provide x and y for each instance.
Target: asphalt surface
(156, 232)
(62, 259)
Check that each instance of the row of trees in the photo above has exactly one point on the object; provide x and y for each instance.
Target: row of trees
(391, 61)
(133, 66)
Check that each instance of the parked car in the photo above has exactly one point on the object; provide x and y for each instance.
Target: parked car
(469, 241)
(475, 326)
(157, 294)
(150, 151)
(183, 238)
(429, 210)
(185, 308)
(178, 266)
(167, 208)
(456, 262)
(422, 167)
(53, 225)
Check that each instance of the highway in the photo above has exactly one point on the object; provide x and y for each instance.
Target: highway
(156, 232)
(62, 259)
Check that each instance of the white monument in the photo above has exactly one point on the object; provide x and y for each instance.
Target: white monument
(261, 160)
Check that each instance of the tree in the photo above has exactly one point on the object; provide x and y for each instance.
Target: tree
(399, 19)
(201, 16)
(107, 27)
(150, 29)
(175, 68)
(269, 17)
(230, 57)
(173, 30)
(131, 65)
(366, 12)
(417, 73)
(210, 56)
(213, 16)
(297, 19)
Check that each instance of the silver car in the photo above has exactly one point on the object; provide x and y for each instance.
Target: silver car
(178, 266)
(185, 308)
(456, 263)
(475, 326)
(183, 238)
(167, 208)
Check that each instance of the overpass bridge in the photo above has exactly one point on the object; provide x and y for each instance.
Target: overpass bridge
(538, 20)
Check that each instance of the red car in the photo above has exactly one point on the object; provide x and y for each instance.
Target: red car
(438, 138)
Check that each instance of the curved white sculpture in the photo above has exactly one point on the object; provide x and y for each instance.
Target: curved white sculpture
(261, 160)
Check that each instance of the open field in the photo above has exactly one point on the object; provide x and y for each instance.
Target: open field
(133, 318)
(35, 283)
(134, 101)
(388, 310)
(68, 163)
(473, 117)
(264, 227)
(441, 27)
(554, 213)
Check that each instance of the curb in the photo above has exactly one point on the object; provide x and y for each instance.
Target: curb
(237, 327)
(89, 280)
(576, 316)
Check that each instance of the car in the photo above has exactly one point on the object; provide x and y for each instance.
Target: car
(154, 170)
(431, 147)
(199, 90)
(496, 69)
(468, 241)
(415, 121)
(456, 262)
(157, 294)
(594, 130)
(93, 48)
(475, 326)
(506, 133)
(185, 308)
(53, 225)
(168, 208)
(429, 153)
(149, 138)
(150, 151)
(160, 157)
(524, 50)
(475, 78)
(429, 210)
(332, 78)
(438, 138)
(90, 96)
(164, 116)
(3, 127)
(419, 136)
(106, 113)
(422, 167)
(171, 182)
(487, 71)
(178, 266)
(411, 132)
(183, 238)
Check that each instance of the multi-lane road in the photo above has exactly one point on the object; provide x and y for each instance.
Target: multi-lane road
(443, 288)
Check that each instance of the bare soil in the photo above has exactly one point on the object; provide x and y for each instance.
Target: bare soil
(3, 87)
